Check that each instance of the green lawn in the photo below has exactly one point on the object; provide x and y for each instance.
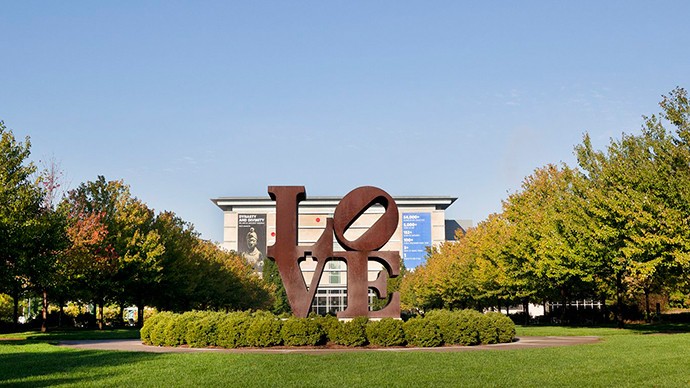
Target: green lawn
(639, 356)
(76, 334)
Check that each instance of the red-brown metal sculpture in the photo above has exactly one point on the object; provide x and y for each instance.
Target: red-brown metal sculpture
(288, 254)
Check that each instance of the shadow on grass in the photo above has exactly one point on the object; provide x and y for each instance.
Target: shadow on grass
(638, 328)
(39, 369)
(74, 334)
(659, 328)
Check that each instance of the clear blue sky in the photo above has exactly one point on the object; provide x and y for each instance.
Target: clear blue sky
(186, 101)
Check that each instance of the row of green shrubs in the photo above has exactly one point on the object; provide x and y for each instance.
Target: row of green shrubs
(263, 329)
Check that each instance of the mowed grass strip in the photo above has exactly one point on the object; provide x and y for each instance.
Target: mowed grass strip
(622, 358)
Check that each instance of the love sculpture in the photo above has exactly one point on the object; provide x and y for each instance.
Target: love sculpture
(288, 254)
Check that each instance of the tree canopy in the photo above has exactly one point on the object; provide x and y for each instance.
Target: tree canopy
(615, 226)
(99, 244)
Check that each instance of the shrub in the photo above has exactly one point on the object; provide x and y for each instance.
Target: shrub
(232, 329)
(6, 308)
(152, 332)
(505, 327)
(352, 333)
(158, 331)
(487, 330)
(457, 327)
(202, 331)
(422, 332)
(386, 332)
(330, 325)
(467, 327)
(145, 332)
(175, 331)
(264, 330)
(301, 332)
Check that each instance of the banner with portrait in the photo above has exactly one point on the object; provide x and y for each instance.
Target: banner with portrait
(251, 239)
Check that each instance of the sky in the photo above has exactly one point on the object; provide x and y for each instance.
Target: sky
(191, 100)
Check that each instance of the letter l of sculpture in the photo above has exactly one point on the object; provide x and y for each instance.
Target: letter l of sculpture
(286, 250)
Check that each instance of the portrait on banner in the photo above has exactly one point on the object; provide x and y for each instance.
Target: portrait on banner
(251, 239)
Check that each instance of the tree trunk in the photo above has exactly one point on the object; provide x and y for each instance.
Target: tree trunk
(140, 315)
(525, 309)
(121, 315)
(648, 311)
(619, 300)
(44, 312)
(564, 304)
(15, 312)
(100, 315)
(62, 312)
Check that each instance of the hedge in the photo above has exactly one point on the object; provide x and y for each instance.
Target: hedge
(301, 332)
(233, 329)
(422, 332)
(264, 329)
(386, 332)
(457, 327)
(203, 331)
(351, 333)
(504, 326)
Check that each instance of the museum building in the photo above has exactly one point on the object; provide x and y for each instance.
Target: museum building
(249, 227)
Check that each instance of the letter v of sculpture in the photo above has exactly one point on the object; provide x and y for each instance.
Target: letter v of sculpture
(287, 253)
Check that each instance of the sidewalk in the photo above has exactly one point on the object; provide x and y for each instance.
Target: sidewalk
(134, 345)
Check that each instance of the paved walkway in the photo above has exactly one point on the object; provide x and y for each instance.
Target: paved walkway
(136, 346)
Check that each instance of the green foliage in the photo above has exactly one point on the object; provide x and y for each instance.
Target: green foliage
(197, 274)
(488, 332)
(6, 307)
(233, 328)
(457, 327)
(422, 332)
(301, 332)
(386, 332)
(330, 325)
(264, 330)
(203, 330)
(177, 328)
(271, 276)
(153, 331)
(351, 333)
(505, 328)
(20, 212)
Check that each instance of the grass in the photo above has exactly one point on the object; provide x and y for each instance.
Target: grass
(74, 334)
(640, 356)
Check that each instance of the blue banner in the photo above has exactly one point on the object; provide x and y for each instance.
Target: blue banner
(416, 235)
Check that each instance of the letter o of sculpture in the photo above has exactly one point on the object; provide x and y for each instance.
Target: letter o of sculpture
(353, 205)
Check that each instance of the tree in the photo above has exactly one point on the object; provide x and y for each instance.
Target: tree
(197, 274)
(20, 203)
(114, 247)
(545, 257)
(179, 275)
(637, 198)
(42, 270)
(444, 281)
(487, 244)
(140, 252)
(271, 276)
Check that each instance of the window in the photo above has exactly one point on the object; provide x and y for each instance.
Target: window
(334, 272)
